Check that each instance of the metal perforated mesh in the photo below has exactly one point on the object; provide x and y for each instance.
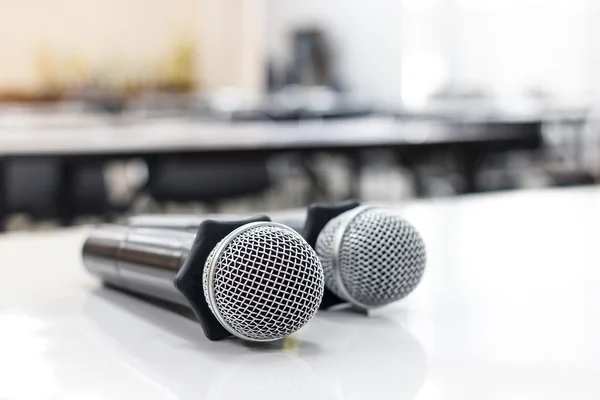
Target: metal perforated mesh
(268, 282)
(381, 257)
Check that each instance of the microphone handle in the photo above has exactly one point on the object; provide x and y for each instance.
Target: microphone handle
(139, 260)
(166, 264)
(191, 222)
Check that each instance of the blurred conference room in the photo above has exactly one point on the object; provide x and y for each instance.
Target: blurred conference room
(431, 169)
(113, 108)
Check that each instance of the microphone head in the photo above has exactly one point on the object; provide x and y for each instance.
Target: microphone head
(263, 281)
(371, 257)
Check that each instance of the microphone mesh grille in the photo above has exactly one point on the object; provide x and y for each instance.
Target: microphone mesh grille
(268, 282)
(381, 258)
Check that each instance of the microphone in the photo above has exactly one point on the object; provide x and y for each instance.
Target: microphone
(254, 279)
(292, 218)
(370, 255)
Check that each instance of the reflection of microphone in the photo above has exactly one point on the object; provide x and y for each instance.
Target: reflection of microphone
(371, 256)
(367, 358)
(162, 348)
(253, 279)
(268, 376)
(363, 359)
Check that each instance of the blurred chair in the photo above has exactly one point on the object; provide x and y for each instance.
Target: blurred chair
(85, 193)
(573, 139)
(590, 142)
(462, 166)
(48, 188)
(31, 186)
(193, 179)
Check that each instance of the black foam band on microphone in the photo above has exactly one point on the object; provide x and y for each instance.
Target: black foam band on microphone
(317, 217)
(189, 279)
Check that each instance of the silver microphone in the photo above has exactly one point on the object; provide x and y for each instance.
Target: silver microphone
(370, 256)
(254, 279)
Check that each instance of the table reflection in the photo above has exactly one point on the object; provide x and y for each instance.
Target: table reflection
(339, 355)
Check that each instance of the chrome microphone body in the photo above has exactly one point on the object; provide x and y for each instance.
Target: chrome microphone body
(254, 279)
(293, 219)
(370, 255)
(143, 261)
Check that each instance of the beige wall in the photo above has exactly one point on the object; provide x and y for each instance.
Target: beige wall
(232, 43)
(44, 40)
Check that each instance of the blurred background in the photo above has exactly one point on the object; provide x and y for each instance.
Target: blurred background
(109, 108)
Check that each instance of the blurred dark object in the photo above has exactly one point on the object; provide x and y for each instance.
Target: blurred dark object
(29, 185)
(312, 60)
(206, 180)
(85, 193)
(574, 178)
(292, 103)
(572, 135)
(298, 115)
(278, 112)
(100, 99)
(53, 188)
(274, 79)
(459, 157)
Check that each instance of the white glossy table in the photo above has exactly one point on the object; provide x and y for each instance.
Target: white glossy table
(509, 309)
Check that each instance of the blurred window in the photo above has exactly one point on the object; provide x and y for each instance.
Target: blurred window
(506, 48)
